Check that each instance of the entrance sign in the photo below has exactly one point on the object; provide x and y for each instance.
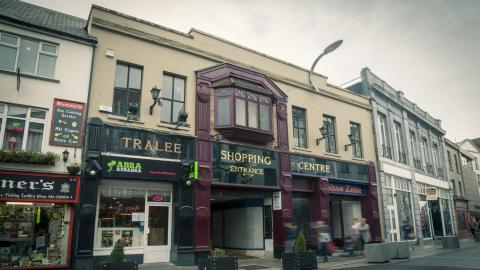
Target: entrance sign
(67, 123)
(237, 164)
(277, 200)
(18, 186)
(432, 193)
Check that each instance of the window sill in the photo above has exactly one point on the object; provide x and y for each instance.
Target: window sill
(332, 155)
(245, 134)
(301, 149)
(29, 76)
(359, 159)
(124, 119)
(173, 127)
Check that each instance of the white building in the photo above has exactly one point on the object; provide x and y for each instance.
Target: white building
(45, 63)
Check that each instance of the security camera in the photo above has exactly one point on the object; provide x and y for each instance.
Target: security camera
(93, 172)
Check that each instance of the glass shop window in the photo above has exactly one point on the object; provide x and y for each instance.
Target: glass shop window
(33, 234)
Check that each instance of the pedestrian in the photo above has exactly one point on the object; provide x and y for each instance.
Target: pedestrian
(323, 239)
(290, 236)
(363, 234)
(473, 225)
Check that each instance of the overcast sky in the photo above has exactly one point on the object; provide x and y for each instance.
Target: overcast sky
(430, 50)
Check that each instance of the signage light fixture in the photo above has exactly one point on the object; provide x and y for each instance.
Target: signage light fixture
(322, 131)
(156, 98)
(65, 155)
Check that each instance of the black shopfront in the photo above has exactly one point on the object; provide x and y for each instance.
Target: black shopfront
(135, 191)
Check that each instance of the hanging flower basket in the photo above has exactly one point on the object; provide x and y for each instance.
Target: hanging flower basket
(74, 168)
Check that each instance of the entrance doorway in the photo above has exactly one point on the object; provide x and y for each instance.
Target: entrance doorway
(241, 221)
(158, 226)
(344, 212)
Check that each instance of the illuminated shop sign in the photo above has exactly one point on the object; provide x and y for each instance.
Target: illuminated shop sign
(237, 164)
(346, 189)
(146, 143)
(16, 186)
(124, 167)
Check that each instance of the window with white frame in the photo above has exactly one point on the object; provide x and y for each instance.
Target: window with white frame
(22, 128)
(386, 150)
(29, 56)
(399, 142)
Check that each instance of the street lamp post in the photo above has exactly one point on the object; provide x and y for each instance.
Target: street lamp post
(330, 48)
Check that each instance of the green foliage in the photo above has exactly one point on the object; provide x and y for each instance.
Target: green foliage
(73, 168)
(217, 252)
(29, 157)
(300, 245)
(117, 254)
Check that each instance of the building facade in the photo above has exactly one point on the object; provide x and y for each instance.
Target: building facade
(230, 111)
(416, 197)
(42, 111)
(470, 179)
(455, 176)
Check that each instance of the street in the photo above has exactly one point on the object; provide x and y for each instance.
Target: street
(462, 259)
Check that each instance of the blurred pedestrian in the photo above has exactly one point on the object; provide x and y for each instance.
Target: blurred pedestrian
(363, 234)
(290, 236)
(323, 239)
(473, 225)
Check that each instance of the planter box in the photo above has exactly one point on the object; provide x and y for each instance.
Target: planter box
(450, 242)
(289, 261)
(218, 263)
(378, 252)
(477, 236)
(119, 266)
(300, 261)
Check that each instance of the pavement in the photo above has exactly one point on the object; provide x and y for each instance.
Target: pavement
(341, 261)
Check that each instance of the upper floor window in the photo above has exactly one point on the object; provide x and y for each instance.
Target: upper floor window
(299, 127)
(436, 159)
(356, 140)
(386, 151)
(423, 144)
(476, 163)
(455, 159)
(449, 160)
(173, 98)
(127, 91)
(399, 142)
(21, 128)
(330, 134)
(243, 108)
(27, 55)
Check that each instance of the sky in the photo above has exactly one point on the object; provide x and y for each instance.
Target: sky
(430, 50)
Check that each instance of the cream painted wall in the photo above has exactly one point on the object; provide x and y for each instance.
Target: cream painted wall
(72, 70)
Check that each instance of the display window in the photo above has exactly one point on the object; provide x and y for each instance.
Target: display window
(34, 235)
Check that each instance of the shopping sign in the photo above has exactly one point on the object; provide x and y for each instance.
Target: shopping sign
(432, 193)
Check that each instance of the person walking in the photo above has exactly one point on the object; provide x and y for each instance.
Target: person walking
(363, 234)
(323, 239)
(290, 236)
(473, 225)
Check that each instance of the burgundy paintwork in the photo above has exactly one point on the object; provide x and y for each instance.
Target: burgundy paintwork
(204, 80)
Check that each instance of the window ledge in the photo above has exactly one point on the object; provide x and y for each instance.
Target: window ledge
(173, 126)
(245, 134)
(359, 159)
(332, 155)
(123, 119)
(302, 149)
(29, 76)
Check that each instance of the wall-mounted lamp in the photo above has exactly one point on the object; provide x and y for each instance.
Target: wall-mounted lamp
(156, 98)
(65, 155)
(323, 132)
(182, 119)
(352, 140)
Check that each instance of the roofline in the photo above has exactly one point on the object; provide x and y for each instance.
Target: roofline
(189, 35)
(90, 40)
(468, 140)
(252, 50)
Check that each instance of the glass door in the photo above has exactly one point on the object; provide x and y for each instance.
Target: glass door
(157, 233)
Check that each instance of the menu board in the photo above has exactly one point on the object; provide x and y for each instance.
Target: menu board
(67, 123)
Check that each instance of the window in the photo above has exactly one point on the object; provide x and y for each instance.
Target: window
(30, 56)
(399, 142)
(128, 86)
(386, 151)
(243, 108)
(436, 159)
(476, 163)
(173, 98)
(449, 160)
(456, 163)
(424, 151)
(22, 128)
(330, 135)
(299, 127)
(356, 140)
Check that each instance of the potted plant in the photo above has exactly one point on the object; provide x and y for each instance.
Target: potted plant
(117, 260)
(73, 168)
(218, 260)
(300, 259)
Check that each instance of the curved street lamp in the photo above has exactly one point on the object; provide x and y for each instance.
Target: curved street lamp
(330, 48)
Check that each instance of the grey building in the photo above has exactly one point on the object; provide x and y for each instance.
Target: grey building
(472, 188)
(411, 163)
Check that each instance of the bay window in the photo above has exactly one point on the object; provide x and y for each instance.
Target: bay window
(21, 128)
(242, 108)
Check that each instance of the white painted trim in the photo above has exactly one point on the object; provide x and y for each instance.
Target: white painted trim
(431, 181)
(390, 169)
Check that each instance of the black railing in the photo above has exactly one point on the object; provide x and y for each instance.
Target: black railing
(402, 157)
(418, 164)
(429, 168)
